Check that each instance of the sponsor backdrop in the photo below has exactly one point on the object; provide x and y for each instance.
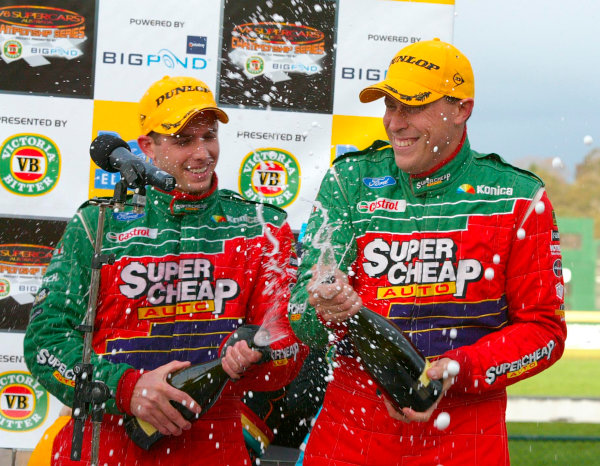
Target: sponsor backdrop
(288, 73)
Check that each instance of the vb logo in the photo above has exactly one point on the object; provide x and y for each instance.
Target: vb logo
(270, 175)
(29, 164)
(23, 402)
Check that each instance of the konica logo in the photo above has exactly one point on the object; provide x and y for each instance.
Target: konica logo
(164, 57)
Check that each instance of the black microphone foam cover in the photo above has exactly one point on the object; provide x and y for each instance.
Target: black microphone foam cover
(102, 147)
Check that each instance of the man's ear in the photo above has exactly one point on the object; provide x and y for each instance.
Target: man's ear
(146, 143)
(465, 108)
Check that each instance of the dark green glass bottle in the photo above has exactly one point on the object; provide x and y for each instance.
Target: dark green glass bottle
(398, 368)
(203, 382)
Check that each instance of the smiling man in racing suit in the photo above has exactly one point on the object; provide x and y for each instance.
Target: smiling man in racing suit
(190, 270)
(459, 249)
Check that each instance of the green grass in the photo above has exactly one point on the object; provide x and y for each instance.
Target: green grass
(575, 375)
(534, 452)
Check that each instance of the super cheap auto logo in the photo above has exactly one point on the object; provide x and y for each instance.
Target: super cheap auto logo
(23, 402)
(29, 164)
(184, 286)
(270, 175)
(419, 267)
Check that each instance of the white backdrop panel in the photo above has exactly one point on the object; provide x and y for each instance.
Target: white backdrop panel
(365, 47)
(306, 136)
(140, 41)
(11, 363)
(67, 123)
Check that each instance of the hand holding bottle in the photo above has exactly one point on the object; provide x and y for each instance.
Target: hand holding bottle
(437, 371)
(239, 358)
(333, 298)
(197, 386)
(151, 400)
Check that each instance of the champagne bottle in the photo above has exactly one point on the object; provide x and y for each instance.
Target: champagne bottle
(396, 365)
(203, 382)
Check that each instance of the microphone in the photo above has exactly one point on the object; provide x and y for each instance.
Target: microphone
(114, 155)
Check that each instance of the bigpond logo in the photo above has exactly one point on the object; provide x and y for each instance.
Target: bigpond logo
(29, 164)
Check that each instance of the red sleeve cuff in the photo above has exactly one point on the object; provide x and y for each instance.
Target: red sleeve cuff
(125, 390)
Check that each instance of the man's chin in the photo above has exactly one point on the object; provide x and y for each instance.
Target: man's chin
(194, 188)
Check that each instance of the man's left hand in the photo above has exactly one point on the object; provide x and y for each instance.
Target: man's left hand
(437, 371)
(238, 359)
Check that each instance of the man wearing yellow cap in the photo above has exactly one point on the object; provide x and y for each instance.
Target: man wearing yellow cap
(199, 263)
(458, 248)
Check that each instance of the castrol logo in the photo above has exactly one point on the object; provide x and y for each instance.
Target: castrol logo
(138, 232)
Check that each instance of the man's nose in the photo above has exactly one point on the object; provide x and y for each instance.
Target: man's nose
(398, 120)
(199, 148)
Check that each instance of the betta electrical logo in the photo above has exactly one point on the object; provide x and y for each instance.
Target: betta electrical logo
(196, 45)
(29, 164)
(23, 402)
(270, 175)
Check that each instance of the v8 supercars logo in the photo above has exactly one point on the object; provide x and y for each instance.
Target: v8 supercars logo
(23, 402)
(280, 48)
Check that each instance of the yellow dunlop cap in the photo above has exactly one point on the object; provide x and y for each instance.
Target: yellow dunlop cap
(424, 72)
(169, 104)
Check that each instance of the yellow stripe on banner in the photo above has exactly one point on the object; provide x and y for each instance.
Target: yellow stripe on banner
(583, 317)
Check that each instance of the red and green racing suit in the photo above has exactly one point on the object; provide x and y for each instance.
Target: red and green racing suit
(187, 273)
(466, 260)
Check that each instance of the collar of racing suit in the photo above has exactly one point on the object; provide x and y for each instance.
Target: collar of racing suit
(440, 177)
(180, 203)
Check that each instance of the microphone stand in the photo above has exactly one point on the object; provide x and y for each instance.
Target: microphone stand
(88, 391)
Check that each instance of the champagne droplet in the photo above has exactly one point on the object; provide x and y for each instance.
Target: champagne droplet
(442, 421)
(540, 207)
(453, 368)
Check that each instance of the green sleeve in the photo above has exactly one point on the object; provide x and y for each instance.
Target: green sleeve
(53, 345)
(329, 230)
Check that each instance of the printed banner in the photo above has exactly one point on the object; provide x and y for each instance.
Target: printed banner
(365, 48)
(26, 247)
(26, 408)
(272, 159)
(44, 145)
(278, 54)
(71, 70)
(46, 47)
(140, 41)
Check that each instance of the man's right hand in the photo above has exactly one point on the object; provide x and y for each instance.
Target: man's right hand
(334, 301)
(151, 398)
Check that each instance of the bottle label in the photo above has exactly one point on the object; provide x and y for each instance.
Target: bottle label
(423, 377)
(148, 428)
